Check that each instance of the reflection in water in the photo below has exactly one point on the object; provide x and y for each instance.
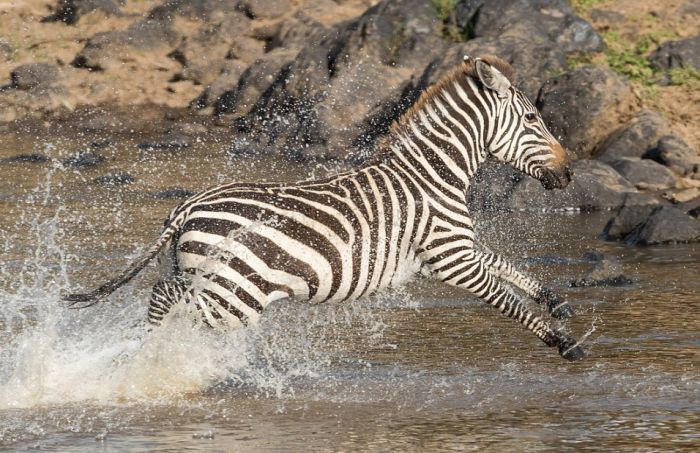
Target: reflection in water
(418, 369)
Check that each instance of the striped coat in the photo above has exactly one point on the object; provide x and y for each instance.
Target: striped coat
(238, 247)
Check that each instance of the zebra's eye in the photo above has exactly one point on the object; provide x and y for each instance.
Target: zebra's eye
(530, 117)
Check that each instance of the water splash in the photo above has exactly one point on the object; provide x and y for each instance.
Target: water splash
(108, 355)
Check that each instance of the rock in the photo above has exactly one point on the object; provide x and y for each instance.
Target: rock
(533, 62)
(695, 212)
(626, 220)
(296, 32)
(204, 54)
(677, 54)
(173, 194)
(264, 8)
(673, 152)
(84, 159)
(196, 10)
(666, 224)
(109, 49)
(492, 186)
(33, 75)
(605, 271)
(114, 179)
(595, 186)
(224, 87)
(683, 195)
(6, 50)
(345, 88)
(168, 141)
(584, 106)
(247, 146)
(645, 172)
(253, 82)
(634, 138)
(33, 158)
(70, 11)
(548, 20)
(101, 143)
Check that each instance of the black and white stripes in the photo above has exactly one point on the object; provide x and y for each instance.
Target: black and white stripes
(239, 247)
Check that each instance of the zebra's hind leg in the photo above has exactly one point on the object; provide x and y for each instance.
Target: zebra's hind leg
(165, 294)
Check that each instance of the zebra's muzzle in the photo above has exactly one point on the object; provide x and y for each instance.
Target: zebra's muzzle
(552, 179)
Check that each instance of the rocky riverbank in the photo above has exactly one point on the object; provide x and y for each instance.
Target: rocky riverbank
(321, 80)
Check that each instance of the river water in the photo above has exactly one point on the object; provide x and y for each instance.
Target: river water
(421, 368)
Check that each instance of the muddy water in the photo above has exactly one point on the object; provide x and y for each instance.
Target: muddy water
(423, 368)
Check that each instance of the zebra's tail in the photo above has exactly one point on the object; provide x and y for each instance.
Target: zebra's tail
(84, 300)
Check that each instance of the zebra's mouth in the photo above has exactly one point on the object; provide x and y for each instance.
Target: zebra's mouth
(555, 179)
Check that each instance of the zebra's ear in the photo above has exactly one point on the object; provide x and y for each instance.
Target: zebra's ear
(492, 78)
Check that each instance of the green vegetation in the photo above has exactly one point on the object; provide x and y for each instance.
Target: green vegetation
(444, 10)
(627, 58)
(685, 76)
(573, 61)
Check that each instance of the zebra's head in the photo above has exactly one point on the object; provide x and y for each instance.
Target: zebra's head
(520, 136)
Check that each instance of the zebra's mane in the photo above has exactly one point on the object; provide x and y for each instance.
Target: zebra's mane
(466, 68)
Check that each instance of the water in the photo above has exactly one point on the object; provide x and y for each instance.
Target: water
(423, 368)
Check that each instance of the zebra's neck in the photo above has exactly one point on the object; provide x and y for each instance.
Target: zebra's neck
(443, 137)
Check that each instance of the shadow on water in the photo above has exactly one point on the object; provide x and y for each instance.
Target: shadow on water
(421, 368)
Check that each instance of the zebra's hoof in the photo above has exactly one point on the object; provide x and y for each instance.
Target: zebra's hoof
(563, 311)
(571, 352)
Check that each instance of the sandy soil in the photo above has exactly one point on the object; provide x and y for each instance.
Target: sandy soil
(662, 21)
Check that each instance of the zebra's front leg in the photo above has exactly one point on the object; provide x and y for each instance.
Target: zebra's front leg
(558, 307)
(472, 274)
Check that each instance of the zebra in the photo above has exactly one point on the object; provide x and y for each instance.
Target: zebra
(238, 247)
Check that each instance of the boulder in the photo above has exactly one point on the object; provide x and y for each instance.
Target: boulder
(645, 173)
(33, 76)
(672, 151)
(634, 138)
(665, 224)
(533, 62)
(109, 49)
(6, 49)
(33, 158)
(70, 11)
(605, 271)
(114, 179)
(595, 186)
(626, 220)
(345, 88)
(677, 54)
(84, 159)
(584, 106)
(264, 8)
(175, 193)
(204, 54)
(253, 82)
(223, 87)
(492, 186)
(548, 20)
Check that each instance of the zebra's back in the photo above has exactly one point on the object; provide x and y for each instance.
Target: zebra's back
(246, 246)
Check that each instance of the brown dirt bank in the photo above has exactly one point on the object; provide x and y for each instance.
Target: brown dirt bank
(146, 78)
